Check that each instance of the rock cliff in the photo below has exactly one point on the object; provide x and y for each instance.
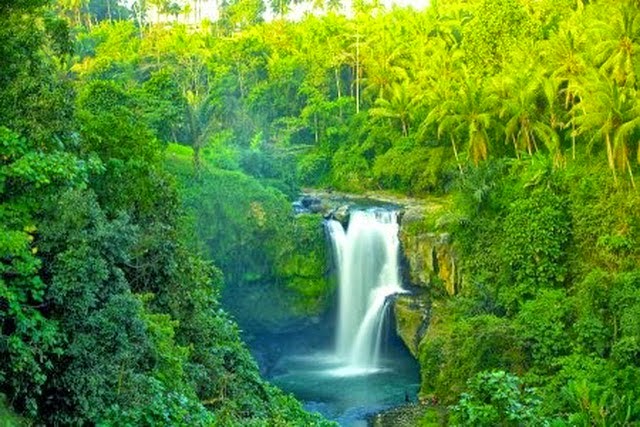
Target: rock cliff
(412, 319)
(430, 256)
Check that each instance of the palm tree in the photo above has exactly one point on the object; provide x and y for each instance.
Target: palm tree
(564, 55)
(524, 114)
(383, 73)
(74, 8)
(400, 106)
(470, 111)
(441, 85)
(553, 117)
(280, 7)
(200, 122)
(611, 113)
(354, 44)
(447, 21)
(620, 39)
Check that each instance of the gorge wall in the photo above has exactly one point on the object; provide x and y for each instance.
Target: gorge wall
(430, 269)
(429, 261)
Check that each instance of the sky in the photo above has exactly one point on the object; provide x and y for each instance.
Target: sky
(298, 10)
(209, 9)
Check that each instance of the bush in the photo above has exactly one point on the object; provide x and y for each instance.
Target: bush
(497, 398)
(411, 168)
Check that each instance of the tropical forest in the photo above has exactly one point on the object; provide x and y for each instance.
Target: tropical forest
(319, 213)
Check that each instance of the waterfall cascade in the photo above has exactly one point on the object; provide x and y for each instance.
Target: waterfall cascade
(366, 255)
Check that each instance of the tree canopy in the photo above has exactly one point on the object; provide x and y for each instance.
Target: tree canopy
(122, 135)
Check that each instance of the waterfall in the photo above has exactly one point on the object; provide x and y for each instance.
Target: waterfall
(366, 255)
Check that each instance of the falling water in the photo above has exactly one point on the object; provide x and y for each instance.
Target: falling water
(367, 261)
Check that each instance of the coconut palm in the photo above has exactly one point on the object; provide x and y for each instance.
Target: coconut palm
(611, 113)
(440, 86)
(564, 56)
(470, 112)
(620, 39)
(399, 107)
(524, 110)
(553, 115)
(74, 10)
(200, 122)
(383, 73)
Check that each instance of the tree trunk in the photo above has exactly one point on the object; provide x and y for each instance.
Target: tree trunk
(357, 73)
(610, 159)
(240, 81)
(573, 139)
(316, 132)
(197, 163)
(455, 154)
(138, 14)
(633, 181)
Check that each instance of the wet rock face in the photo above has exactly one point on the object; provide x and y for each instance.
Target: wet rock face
(431, 260)
(431, 266)
(430, 257)
(341, 214)
(412, 319)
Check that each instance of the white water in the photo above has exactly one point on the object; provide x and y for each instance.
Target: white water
(367, 261)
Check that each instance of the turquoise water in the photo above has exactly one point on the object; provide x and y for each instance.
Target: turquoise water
(347, 395)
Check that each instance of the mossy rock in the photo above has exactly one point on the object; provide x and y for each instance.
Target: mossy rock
(412, 315)
(303, 268)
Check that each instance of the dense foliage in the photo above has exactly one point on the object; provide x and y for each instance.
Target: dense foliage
(109, 312)
(550, 289)
(527, 111)
(274, 263)
(399, 99)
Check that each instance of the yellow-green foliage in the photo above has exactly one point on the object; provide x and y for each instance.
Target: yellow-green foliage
(551, 282)
(8, 418)
(530, 108)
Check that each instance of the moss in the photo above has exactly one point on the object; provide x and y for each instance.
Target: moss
(409, 415)
(303, 269)
(265, 252)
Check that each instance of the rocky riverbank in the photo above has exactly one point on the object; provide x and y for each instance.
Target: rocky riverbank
(409, 415)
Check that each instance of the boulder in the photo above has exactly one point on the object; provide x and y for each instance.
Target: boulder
(309, 201)
(412, 319)
(341, 214)
(412, 214)
(410, 415)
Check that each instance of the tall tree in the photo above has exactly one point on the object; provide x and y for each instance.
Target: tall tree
(200, 122)
(523, 109)
(400, 106)
(619, 35)
(470, 114)
(609, 112)
(564, 54)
